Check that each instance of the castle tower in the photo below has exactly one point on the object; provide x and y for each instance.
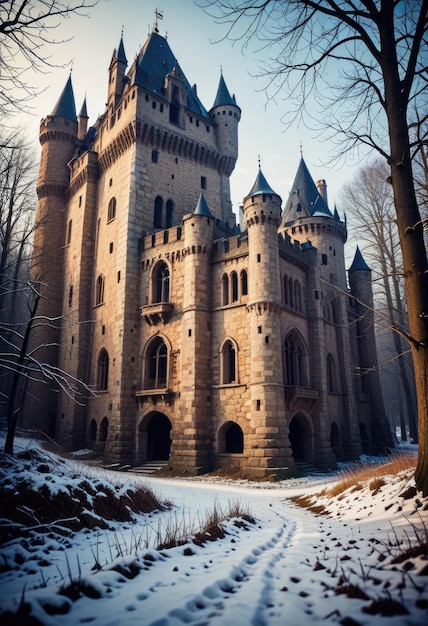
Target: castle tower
(58, 135)
(116, 76)
(361, 286)
(192, 434)
(226, 114)
(269, 443)
(307, 218)
(82, 122)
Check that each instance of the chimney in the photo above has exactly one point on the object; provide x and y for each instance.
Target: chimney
(322, 189)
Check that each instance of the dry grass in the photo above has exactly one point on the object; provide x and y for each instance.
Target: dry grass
(373, 474)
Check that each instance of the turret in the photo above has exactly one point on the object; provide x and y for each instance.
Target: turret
(262, 214)
(360, 281)
(226, 114)
(58, 136)
(117, 70)
(82, 122)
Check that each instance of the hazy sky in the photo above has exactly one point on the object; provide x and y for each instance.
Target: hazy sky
(192, 36)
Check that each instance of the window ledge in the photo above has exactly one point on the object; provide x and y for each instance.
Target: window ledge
(153, 395)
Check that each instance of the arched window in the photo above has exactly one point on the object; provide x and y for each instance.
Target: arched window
(157, 217)
(69, 230)
(331, 375)
(174, 108)
(285, 287)
(103, 362)
(99, 290)
(225, 290)
(290, 292)
(229, 370)
(169, 214)
(92, 431)
(295, 361)
(111, 210)
(297, 295)
(160, 282)
(156, 365)
(103, 429)
(244, 283)
(234, 280)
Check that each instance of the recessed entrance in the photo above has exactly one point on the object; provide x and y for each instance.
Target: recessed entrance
(158, 438)
(300, 435)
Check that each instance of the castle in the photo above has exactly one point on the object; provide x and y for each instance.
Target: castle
(207, 345)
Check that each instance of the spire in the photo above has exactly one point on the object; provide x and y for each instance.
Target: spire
(223, 96)
(202, 207)
(83, 110)
(359, 264)
(66, 107)
(304, 199)
(261, 186)
(121, 56)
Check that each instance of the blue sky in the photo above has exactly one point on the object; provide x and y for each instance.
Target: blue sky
(196, 40)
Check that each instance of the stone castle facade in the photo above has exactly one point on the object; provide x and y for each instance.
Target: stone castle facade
(206, 344)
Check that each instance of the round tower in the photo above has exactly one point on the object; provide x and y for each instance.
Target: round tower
(360, 281)
(192, 434)
(226, 115)
(58, 136)
(262, 214)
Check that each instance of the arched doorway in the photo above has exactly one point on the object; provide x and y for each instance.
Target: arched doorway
(335, 441)
(158, 437)
(231, 438)
(300, 435)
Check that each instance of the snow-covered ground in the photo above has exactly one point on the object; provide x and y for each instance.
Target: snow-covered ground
(290, 567)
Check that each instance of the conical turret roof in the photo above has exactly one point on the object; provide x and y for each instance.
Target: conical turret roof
(359, 263)
(202, 207)
(223, 96)
(66, 106)
(121, 56)
(304, 199)
(261, 186)
(83, 110)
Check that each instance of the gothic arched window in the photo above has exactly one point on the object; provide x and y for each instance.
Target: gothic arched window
(244, 283)
(331, 375)
(99, 290)
(103, 363)
(169, 214)
(158, 210)
(225, 290)
(111, 210)
(295, 361)
(234, 281)
(229, 369)
(160, 282)
(156, 365)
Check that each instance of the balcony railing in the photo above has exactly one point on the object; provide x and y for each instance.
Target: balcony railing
(157, 312)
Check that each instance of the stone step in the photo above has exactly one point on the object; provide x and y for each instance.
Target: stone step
(304, 468)
(149, 468)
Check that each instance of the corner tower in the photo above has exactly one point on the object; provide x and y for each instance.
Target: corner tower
(58, 136)
(226, 115)
(262, 213)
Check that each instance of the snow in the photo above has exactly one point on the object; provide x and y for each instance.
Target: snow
(291, 566)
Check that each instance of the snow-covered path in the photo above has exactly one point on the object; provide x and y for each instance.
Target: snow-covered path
(290, 568)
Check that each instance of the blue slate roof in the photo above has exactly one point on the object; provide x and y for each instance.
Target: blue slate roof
(261, 186)
(304, 199)
(154, 63)
(359, 263)
(83, 111)
(223, 96)
(202, 207)
(66, 106)
(121, 56)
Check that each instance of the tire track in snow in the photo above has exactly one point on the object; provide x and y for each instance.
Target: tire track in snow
(246, 595)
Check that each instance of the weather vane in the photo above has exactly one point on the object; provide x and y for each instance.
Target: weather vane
(158, 16)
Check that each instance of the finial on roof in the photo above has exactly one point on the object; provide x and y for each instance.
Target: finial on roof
(259, 161)
(158, 16)
(301, 148)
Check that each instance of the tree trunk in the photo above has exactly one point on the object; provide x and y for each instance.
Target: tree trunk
(415, 271)
(12, 411)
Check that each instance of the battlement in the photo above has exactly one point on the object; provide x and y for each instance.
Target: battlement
(230, 247)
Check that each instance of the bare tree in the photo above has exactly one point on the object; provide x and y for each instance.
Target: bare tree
(364, 64)
(26, 27)
(367, 199)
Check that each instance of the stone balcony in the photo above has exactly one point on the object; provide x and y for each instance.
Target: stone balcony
(157, 312)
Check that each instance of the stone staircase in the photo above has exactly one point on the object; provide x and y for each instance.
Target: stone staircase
(305, 469)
